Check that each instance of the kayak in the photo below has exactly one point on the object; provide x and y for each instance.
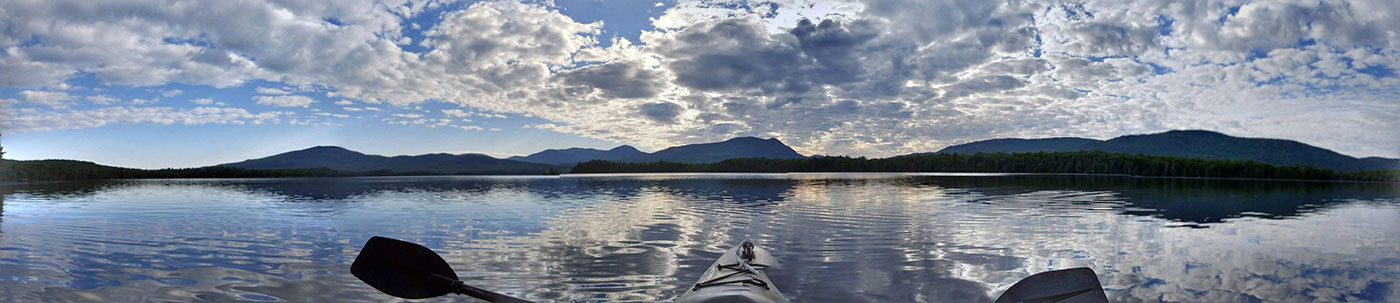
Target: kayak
(736, 277)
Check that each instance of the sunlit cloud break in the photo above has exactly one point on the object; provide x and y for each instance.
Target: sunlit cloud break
(868, 78)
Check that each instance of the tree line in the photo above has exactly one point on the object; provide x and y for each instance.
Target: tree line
(1083, 162)
(59, 170)
(63, 170)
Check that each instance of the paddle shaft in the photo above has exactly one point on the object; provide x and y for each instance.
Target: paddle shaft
(461, 288)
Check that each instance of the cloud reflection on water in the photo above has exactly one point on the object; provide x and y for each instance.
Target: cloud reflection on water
(854, 238)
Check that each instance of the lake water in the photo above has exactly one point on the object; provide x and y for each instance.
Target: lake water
(839, 237)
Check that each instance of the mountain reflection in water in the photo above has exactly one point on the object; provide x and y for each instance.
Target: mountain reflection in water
(839, 237)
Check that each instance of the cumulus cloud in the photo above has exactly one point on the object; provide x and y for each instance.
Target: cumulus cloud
(868, 77)
(272, 91)
(285, 100)
(617, 80)
(203, 101)
(664, 112)
(456, 113)
(102, 99)
(740, 54)
(731, 54)
(47, 98)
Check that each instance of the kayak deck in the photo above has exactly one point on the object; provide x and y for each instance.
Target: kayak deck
(737, 276)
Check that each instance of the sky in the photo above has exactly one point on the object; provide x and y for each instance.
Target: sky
(156, 84)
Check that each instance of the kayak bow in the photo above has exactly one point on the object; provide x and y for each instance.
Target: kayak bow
(738, 277)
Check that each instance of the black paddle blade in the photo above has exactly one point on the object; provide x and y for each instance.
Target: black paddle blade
(1075, 285)
(403, 269)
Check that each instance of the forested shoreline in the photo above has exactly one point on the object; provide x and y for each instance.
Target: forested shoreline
(1091, 162)
(64, 170)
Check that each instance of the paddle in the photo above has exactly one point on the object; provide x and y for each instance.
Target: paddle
(1075, 285)
(411, 271)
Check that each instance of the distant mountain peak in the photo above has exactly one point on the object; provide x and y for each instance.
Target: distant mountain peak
(573, 155)
(327, 148)
(1194, 132)
(750, 138)
(739, 147)
(624, 148)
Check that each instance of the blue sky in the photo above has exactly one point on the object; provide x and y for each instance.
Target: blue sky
(192, 83)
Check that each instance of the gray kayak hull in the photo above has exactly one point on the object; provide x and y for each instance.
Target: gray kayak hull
(737, 276)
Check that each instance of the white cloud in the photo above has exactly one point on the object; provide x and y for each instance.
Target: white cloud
(102, 99)
(344, 102)
(49, 120)
(171, 93)
(456, 113)
(409, 116)
(272, 91)
(47, 98)
(341, 116)
(465, 113)
(203, 101)
(285, 101)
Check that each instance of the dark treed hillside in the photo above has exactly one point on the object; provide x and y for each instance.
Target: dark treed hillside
(1014, 145)
(337, 158)
(1065, 162)
(742, 147)
(61, 170)
(575, 155)
(1189, 144)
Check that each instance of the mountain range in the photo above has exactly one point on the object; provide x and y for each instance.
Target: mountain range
(741, 147)
(1180, 143)
(1189, 144)
(339, 158)
(576, 155)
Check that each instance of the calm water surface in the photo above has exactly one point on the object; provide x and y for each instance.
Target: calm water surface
(839, 238)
